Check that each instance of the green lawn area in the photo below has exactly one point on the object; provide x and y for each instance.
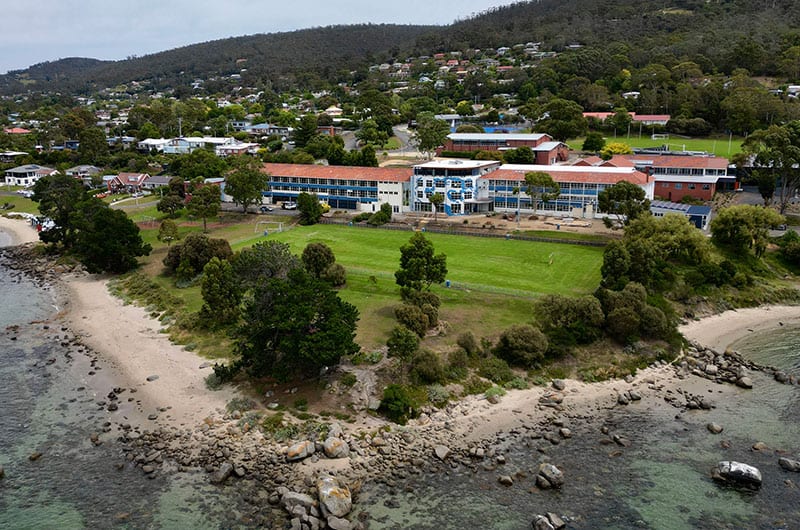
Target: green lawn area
(19, 204)
(718, 146)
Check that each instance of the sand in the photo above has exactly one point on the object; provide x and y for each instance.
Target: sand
(19, 230)
(719, 332)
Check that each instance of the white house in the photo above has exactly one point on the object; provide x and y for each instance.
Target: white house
(27, 175)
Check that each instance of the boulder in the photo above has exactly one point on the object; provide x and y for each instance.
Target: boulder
(557, 522)
(714, 428)
(222, 474)
(559, 384)
(505, 480)
(744, 382)
(549, 476)
(335, 430)
(336, 448)
(334, 498)
(785, 463)
(441, 451)
(736, 473)
(337, 523)
(290, 499)
(712, 369)
(540, 522)
(300, 451)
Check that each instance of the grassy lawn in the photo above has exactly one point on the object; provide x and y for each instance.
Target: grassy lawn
(572, 236)
(493, 281)
(718, 146)
(19, 204)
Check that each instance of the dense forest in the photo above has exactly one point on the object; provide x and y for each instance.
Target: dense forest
(717, 35)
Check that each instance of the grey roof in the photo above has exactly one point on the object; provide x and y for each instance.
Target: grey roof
(690, 209)
(547, 146)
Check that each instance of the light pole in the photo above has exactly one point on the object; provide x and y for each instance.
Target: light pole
(516, 192)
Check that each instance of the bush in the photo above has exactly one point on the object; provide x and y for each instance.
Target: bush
(402, 343)
(518, 383)
(623, 324)
(194, 252)
(335, 275)
(438, 395)
(653, 323)
(457, 365)
(419, 298)
(432, 313)
(570, 320)
(496, 370)
(413, 318)
(521, 345)
(476, 385)
(362, 217)
(426, 367)
(399, 404)
(348, 379)
(468, 343)
(494, 392)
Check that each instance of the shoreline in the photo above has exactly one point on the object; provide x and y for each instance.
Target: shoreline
(19, 231)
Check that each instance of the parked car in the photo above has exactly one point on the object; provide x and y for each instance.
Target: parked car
(265, 209)
(289, 205)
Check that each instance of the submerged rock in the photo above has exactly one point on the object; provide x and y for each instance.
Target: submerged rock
(785, 463)
(714, 428)
(737, 473)
(222, 474)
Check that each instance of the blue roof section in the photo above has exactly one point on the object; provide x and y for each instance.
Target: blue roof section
(690, 209)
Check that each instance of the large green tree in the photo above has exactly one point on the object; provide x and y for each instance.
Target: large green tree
(205, 203)
(625, 200)
(309, 207)
(420, 268)
(563, 120)
(221, 293)
(430, 132)
(540, 186)
(246, 183)
(108, 241)
(295, 326)
(775, 156)
(59, 198)
(744, 228)
(262, 261)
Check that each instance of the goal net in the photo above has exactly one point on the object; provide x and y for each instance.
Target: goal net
(268, 227)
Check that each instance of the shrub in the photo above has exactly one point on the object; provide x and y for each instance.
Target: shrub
(426, 367)
(335, 275)
(432, 313)
(570, 320)
(623, 324)
(194, 252)
(521, 345)
(496, 370)
(494, 392)
(362, 217)
(468, 343)
(348, 379)
(476, 385)
(413, 318)
(653, 322)
(438, 395)
(402, 343)
(419, 298)
(518, 383)
(457, 365)
(399, 404)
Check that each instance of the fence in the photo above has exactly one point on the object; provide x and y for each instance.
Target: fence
(475, 233)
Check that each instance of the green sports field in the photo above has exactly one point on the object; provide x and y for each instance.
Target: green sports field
(722, 146)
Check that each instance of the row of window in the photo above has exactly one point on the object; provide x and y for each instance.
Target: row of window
(322, 191)
(688, 171)
(679, 185)
(326, 182)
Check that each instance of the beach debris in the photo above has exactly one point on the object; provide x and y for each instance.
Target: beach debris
(737, 474)
(334, 498)
(714, 428)
(151, 378)
(785, 463)
(549, 476)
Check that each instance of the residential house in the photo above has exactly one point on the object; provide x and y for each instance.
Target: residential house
(238, 148)
(27, 175)
(156, 181)
(152, 144)
(84, 173)
(128, 182)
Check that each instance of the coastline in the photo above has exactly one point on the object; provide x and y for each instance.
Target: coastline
(18, 230)
(720, 331)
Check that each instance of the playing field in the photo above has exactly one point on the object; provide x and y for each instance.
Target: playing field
(723, 146)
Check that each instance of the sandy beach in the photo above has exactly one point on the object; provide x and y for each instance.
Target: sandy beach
(718, 332)
(18, 230)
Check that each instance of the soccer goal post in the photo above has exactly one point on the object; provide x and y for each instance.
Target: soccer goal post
(267, 227)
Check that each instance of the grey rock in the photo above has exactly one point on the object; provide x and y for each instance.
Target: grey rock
(714, 428)
(441, 451)
(222, 474)
(338, 523)
(336, 448)
(565, 433)
(334, 498)
(541, 522)
(505, 480)
(737, 473)
(623, 399)
(151, 378)
(148, 469)
(785, 463)
(36, 455)
(712, 369)
(300, 450)
(549, 476)
(290, 499)
(634, 395)
(557, 522)
(335, 430)
(744, 382)
(559, 384)
(781, 377)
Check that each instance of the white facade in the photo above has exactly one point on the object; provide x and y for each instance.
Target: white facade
(458, 181)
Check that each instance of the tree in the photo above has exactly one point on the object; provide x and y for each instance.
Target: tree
(170, 204)
(520, 155)
(309, 207)
(370, 133)
(624, 199)
(167, 231)
(109, 241)
(464, 108)
(744, 228)
(221, 293)
(306, 130)
(402, 344)
(430, 133)
(564, 120)
(521, 345)
(59, 197)
(246, 182)
(419, 267)
(436, 200)
(615, 148)
(317, 258)
(262, 261)
(198, 163)
(619, 121)
(191, 255)
(205, 203)
(294, 325)
(93, 145)
(569, 319)
(775, 152)
(594, 142)
(541, 187)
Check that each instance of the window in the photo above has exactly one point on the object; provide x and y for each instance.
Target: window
(691, 186)
(665, 184)
(678, 186)
(706, 186)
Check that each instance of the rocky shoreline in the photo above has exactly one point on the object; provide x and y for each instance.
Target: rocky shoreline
(313, 480)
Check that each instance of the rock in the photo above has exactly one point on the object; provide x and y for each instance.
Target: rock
(300, 450)
(541, 522)
(785, 463)
(714, 428)
(337, 523)
(623, 399)
(505, 480)
(781, 377)
(557, 522)
(619, 440)
(712, 369)
(336, 448)
(290, 499)
(334, 498)
(760, 446)
(2, 472)
(549, 476)
(151, 378)
(148, 469)
(441, 451)
(335, 430)
(36, 455)
(559, 384)
(634, 395)
(222, 474)
(737, 473)
(565, 433)
(744, 382)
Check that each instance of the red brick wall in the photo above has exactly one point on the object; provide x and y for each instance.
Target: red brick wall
(669, 191)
